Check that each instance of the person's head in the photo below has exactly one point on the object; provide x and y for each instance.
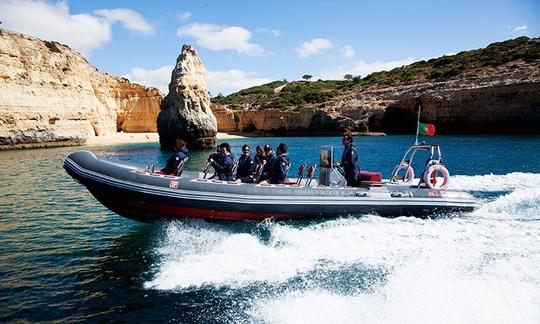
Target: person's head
(268, 150)
(246, 149)
(282, 148)
(259, 150)
(179, 143)
(225, 148)
(347, 139)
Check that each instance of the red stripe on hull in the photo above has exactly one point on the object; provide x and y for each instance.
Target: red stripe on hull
(137, 209)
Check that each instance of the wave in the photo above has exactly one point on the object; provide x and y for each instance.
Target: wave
(483, 267)
(495, 183)
(520, 204)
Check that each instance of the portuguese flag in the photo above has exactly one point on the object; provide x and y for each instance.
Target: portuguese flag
(426, 129)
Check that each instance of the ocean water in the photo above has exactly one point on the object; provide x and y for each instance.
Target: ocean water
(66, 258)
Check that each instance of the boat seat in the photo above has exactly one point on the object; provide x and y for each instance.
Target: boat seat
(180, 168)
(310, 173)
(370, 179)
(300, 173)
(234, 167)
(370, 176)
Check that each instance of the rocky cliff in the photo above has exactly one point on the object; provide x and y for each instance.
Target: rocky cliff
(185, 111)
(490, 90)
(51, 96)
(309, 121)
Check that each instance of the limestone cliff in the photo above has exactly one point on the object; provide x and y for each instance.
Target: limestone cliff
(307, 121)
(490, 90)
(51, 96)
(185, 111)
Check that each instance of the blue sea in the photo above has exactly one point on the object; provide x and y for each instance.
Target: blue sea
(66, 258)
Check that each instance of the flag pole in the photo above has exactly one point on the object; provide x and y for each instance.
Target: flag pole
(417, 125)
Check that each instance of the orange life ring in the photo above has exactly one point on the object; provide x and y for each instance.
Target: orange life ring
(409, 172)
(430, 177)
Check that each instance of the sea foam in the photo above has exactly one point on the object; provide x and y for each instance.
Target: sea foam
(481, 267)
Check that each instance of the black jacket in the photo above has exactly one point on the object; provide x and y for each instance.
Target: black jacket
(267, 169)
(246, 166)
(223, 164)
(279, 168)
(349, 162)
(175, 159)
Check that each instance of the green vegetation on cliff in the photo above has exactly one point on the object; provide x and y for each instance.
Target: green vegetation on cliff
(298, 94)
(283, 94)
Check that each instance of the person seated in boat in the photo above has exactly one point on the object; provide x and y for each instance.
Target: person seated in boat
(259, 157)
(214, 155)
(280, 165)
(349, 161)
(269, 159)
(246, 165)
(179, 156)
(223, 163)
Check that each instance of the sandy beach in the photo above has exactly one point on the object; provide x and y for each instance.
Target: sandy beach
(134, 138)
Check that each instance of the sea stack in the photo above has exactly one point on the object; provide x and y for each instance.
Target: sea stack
(185, 111)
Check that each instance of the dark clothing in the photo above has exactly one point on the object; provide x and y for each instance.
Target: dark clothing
(174, 161)
(246, 166)
(279, 168)
(267, 169)
(223, 164)
(258, 159)
(213, 156)
(349, 162)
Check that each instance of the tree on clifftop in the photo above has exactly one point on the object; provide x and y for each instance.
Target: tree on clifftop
(307, 77)
(348, 77)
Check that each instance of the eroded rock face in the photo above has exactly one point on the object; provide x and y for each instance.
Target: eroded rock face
(185, 111)
(499, 100)
(502, 99)
(276, 122)
(51, 96)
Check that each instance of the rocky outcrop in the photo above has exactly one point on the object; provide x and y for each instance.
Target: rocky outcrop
(51, 96)
(505, 99)
(497, 100)
(490, 90)
(276, 122)
(185, 111)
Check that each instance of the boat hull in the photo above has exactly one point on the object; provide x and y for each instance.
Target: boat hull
(146, 197)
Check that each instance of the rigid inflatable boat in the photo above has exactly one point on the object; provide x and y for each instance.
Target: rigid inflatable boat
(140, 194)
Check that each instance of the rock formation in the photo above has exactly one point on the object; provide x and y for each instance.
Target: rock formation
(491, 90)
(307, 121)
(496, 100)
(51, 96)
(185, 111)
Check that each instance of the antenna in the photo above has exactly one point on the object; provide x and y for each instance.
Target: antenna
(417, 124)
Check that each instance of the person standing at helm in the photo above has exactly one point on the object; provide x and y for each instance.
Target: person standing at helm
(179, 155)
(349, 161)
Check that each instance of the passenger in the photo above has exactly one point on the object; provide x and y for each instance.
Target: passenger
(179, 155)
(223, 163)
(280, 165)
(246, 165)
(260, 160)
(269, 159)
(349, 161)
(259, 156)
(214, 155)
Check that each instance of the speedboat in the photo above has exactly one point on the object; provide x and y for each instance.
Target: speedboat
(140, 194)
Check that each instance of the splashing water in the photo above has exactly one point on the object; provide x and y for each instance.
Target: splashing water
(483, 267)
